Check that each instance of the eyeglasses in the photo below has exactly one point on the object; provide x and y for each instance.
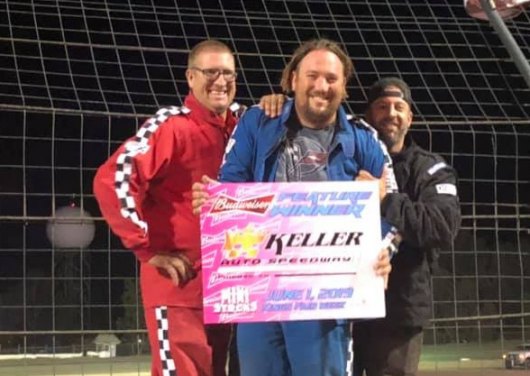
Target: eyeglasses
(213, 74)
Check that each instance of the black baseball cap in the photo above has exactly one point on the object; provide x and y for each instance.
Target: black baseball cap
(381, 88)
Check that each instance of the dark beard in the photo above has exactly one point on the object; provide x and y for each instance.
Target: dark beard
(391, 140)
(322, 119)
(388, 140)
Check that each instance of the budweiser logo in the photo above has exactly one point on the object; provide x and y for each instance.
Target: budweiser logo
(257, 205)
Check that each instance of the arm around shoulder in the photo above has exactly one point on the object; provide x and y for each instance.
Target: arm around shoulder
(239, 154)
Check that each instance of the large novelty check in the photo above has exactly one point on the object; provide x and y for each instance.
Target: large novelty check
(291, 251)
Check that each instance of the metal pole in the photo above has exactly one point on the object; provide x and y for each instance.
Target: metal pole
(507, 39)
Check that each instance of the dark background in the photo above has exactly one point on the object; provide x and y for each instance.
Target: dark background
(79, 77)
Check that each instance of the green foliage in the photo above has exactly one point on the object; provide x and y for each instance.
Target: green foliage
(133, 313)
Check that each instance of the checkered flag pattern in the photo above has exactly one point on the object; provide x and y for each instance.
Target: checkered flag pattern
(138, 145)
(168, 364)
(350, 354)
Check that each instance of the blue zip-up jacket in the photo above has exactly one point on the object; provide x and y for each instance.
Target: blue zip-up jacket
(253, 151)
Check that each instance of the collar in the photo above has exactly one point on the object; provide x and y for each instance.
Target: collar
(203, 115)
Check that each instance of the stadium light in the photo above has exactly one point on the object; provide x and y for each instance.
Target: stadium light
(507, 9)
(72, 227)
(495, 11)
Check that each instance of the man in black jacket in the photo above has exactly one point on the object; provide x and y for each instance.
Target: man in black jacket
(426, 213)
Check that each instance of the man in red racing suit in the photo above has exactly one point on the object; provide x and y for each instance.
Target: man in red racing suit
(144, 193)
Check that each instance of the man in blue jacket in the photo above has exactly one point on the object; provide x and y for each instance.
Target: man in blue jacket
(312, 140)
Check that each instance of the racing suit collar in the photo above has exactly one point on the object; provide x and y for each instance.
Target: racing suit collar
(203, 115)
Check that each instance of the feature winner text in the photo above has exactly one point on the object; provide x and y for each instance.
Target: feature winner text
(296, 204)
(307, 299)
